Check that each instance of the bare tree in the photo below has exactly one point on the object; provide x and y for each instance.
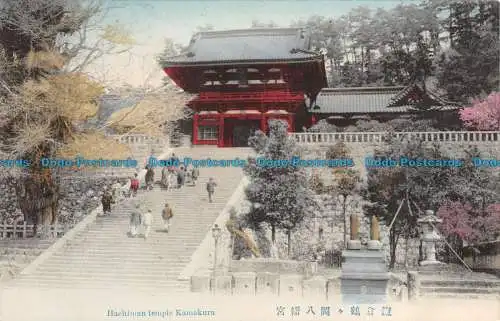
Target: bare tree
(45, 95)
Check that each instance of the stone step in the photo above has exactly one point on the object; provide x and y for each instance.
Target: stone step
(159, 265)
(467, 296)
(110, 269)
(461, 290)
(103, 256)
(461, 283)
(111, 266)
(100, 279)
(94, 284)
(153, 241)
(110, 275)
(15, 251)
(30, 243)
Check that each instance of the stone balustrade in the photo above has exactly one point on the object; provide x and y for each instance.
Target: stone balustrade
(137, 139)
(294, 286)
(380, 137)
(267, 283)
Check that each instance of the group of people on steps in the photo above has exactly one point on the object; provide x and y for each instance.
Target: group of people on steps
(139, 219)
(172, 177)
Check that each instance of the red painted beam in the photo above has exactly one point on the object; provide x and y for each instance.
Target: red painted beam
(270, 97)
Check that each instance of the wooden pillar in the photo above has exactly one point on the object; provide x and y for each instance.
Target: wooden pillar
(221, 131)
(291, 125)
(313, 120)
(195, 128)
(263, 122)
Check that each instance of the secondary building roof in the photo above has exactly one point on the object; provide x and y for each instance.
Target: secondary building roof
(248, 45)
(367, 100)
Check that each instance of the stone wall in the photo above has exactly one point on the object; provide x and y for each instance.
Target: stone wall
(79, 196)
(329, 218)
(359, 151)
(325, 233)
(284, 285)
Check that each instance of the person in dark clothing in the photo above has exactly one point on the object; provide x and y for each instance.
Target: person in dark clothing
(181, 176)
(164, 177)
(107, 200)
(175, 159)
(150, 177)
(135, 221)
(211, 189)
(195, 173)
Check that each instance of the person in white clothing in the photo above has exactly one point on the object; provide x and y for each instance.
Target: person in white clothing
(147, 221)
(172, 181)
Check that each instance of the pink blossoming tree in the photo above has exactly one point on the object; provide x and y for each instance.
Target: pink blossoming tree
(484, 114)
(468, 223)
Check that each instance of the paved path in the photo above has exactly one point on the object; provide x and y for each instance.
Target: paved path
(104, 257)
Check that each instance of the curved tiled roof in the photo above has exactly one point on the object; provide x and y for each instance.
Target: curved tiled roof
(247, 45)
(366, 100)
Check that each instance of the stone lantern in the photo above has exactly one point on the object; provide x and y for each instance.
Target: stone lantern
(430, 237)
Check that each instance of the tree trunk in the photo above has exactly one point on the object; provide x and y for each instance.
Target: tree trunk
(406, 251)
(344, 210)
(38, 196)
(273, 233)
(450, 27)
(289, 236)
(393, 244)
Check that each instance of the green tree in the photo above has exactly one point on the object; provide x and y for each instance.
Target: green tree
(280, 196)
(469, 68)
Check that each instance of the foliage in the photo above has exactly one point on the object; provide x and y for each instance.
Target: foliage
(316, 183)
(323, 126)
(152, 114)
(470, 223)
(469, 68)
(394, 125)
(242, 242)
(426, 187)
(93, 145)
(392, 47)
(305, 246)
(346, 182)
(484, 114)
(374, 48)
(339, 150)
(279, 196)
(47, 99)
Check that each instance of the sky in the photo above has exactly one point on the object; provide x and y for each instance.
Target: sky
(151, 22)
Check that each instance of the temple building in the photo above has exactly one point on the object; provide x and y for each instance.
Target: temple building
(243, 78)
(345, 106)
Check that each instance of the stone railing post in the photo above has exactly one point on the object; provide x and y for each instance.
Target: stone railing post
(413, 281)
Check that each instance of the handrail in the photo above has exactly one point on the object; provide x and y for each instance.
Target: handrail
(379, 137)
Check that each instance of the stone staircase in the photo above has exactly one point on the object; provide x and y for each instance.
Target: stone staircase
(15, 254)
(104, 257)
(470, 286)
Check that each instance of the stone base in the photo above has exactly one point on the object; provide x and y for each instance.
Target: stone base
(374, 245)
(435, 263)
(354, 245)
(364, 291)
(278, 266)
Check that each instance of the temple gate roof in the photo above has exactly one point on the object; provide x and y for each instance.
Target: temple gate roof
(254, 45)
